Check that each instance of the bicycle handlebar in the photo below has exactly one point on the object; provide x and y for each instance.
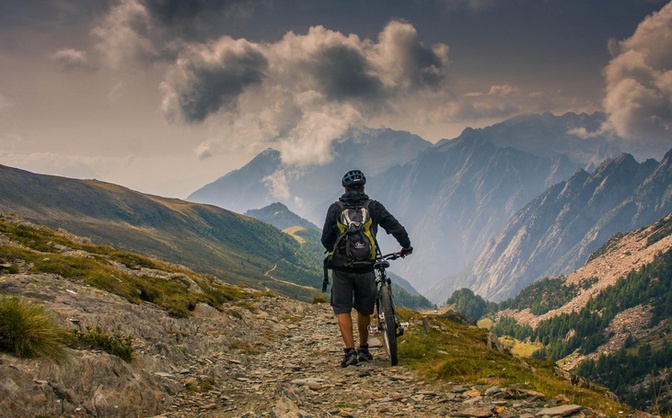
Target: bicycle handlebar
(392, 256)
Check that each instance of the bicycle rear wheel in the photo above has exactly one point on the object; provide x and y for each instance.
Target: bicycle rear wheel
(386, 321)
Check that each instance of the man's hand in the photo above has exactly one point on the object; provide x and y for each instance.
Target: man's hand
(406, 251)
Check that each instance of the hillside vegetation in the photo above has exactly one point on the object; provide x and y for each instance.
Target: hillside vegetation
(611, 320)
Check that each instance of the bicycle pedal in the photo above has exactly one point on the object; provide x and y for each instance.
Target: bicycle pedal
(401, 327)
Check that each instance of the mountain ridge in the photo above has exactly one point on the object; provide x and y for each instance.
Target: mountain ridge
(556, 232)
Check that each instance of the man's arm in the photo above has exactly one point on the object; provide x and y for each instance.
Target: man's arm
(390, 224)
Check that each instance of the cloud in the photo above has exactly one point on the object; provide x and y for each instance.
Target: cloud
(70, 59)
(207, 78)
(137, 32)
(127, 35)
(302, 92)
(638, 98)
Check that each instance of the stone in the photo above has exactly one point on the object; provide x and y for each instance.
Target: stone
(562, 411)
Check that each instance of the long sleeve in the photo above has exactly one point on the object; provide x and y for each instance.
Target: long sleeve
(390, 224)
(330, 230)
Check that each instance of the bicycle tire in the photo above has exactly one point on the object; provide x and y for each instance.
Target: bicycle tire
(386, 320)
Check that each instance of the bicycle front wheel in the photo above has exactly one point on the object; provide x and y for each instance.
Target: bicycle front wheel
(386, 320)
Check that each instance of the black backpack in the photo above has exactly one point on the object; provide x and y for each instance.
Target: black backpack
(355, 246)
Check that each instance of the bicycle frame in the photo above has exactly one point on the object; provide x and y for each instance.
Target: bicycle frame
(388, 322)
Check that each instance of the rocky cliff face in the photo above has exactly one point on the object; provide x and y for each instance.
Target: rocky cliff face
(558, 230)
(455, 197)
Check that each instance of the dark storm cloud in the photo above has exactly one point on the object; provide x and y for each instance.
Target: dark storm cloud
(309, 71)
(343, 73)
(194, 19)
(211, 77)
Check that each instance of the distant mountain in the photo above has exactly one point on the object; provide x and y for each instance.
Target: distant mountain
(206, 238)
(556, 232)
(280, 216)
(547, 135)
(244, 188)
(308, 191)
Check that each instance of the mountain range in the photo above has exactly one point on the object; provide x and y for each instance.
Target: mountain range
(453, 197)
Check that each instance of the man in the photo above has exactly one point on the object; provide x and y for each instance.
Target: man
(357, 284)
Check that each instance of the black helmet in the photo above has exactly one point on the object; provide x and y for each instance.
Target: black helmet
(353, 179)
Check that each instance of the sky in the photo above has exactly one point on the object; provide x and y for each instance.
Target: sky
(165, 96)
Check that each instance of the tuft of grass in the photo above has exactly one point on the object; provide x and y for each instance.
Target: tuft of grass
(26, 330)
(452, 352)
(97, 339)
(244, 347)
(318, 298)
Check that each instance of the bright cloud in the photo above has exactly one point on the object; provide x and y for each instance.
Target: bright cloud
(638, 97)
(70, 59)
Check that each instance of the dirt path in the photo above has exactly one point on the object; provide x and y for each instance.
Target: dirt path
(298, 374)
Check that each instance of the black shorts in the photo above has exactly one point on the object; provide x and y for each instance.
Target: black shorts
(350, 290)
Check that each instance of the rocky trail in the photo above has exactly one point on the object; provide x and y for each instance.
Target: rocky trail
(298, 374)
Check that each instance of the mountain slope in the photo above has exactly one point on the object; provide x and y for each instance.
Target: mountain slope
(454, 197)
(244, 188)
(611, 319)
(558, 230)
(206, 238)
(308, 190)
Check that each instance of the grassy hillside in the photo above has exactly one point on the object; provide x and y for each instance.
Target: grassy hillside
(205, 238)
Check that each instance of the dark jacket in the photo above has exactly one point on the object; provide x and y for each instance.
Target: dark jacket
(379, 216)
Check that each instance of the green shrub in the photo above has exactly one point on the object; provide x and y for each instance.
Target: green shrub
(26, 330)
(97, 339)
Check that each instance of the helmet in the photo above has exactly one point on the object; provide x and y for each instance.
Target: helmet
(353, 179)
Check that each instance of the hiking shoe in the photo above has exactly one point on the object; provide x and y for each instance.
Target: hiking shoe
(363, 354)
(350, 358)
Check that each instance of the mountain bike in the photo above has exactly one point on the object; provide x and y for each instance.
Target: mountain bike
(388, 322)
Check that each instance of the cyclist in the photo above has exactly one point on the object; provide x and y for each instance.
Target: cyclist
(356, 287)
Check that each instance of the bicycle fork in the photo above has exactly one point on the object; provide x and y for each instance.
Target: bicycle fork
(377, 328)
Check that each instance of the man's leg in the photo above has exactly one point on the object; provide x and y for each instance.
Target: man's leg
(345, 325)
(363, 322)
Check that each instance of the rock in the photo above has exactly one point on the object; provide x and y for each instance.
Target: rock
(478, 412)
(562, 411)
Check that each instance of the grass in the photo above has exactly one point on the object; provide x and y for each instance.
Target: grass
(318, 298)
(456, 353)
(41, 251)
(27, 330)
(98, 339)
(521, 348)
